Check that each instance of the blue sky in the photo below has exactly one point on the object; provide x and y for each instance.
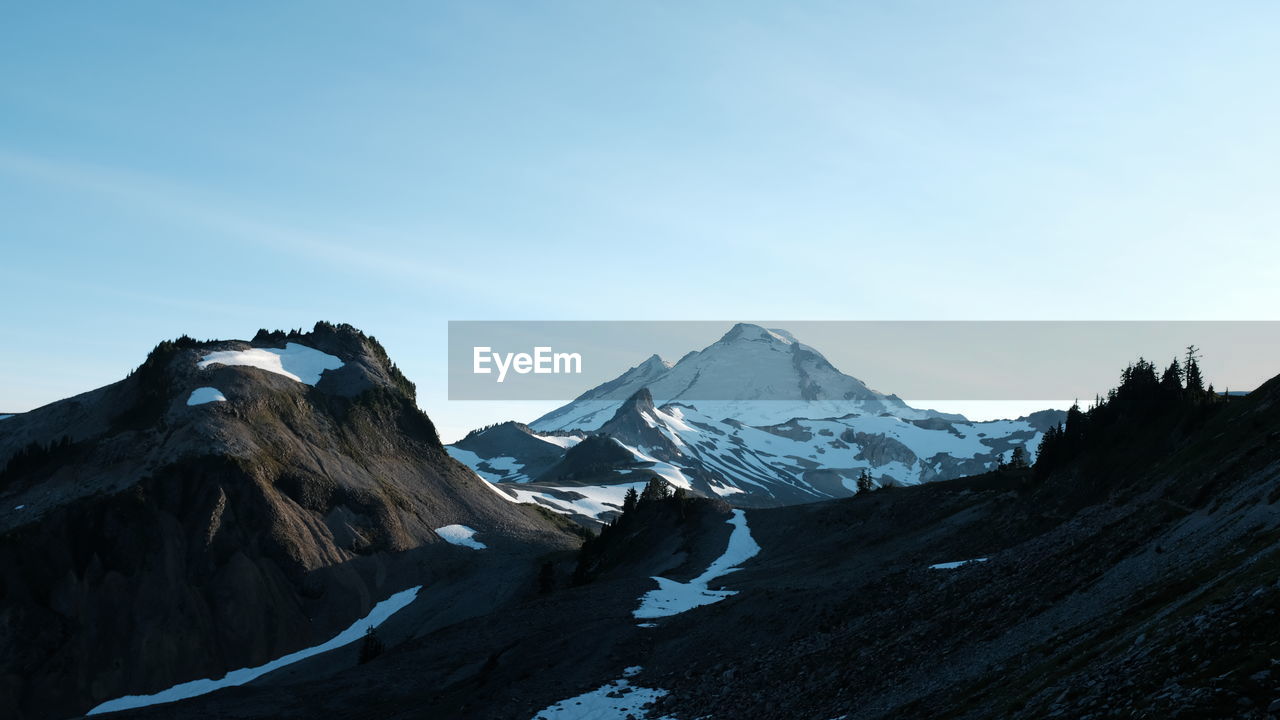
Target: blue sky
(170, 168)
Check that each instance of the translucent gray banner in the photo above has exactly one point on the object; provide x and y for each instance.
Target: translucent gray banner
(944, 360)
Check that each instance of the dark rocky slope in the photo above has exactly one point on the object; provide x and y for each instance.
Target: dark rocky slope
(508, 664)
(159, 542)
(512, 439)
(596, 458)
(1139, 579)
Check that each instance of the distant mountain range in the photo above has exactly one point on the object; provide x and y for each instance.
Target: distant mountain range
(756, 418)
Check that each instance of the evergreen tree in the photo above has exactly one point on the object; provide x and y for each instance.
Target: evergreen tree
(1172, 378)
(1049, 451)
(864, 483)
(1075, 422)
(655, 490)
(1018, 458)
(630, 500)
(1140, 397)
(1195, 382)
(680, 500)
(371, 647)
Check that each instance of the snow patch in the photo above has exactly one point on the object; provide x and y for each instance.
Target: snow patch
(460, 535)
(202, 395)
(596, 500)
(564, 441)
(665, 470)
(182, 691)
(5, 417)
(495, 469)
(18, 507)
(673, 597)
(956, 564)
(725, 490)
(472, 461)
(508, 466)
(297, 362)
(617, 700)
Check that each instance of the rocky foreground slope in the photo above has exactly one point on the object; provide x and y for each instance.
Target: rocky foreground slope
(227, 503)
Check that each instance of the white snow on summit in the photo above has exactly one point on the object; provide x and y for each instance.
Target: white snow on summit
(202, 395)
(460, 535)
(754, 375)
(182, 691)
(672, 598)
(296, 362)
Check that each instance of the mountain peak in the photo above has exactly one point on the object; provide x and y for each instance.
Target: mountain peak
(641, 399)
(636, 419)
(655, 362)
(748, 332)
(317, 491)
(731, 378)
(633, 409)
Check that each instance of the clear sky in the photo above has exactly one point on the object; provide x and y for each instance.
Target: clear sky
(210, 169)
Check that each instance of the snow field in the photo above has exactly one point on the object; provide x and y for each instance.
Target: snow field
(460, 535)
(202, 395)
(182, 691)
(296, 362)
(617, 700)
(672, 597)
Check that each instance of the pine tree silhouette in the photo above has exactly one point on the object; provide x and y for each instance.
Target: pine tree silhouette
(1018, 458)
(1195, 382)
(371, 647)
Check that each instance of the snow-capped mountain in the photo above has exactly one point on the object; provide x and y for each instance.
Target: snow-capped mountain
(757, 418)
(754, 375)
